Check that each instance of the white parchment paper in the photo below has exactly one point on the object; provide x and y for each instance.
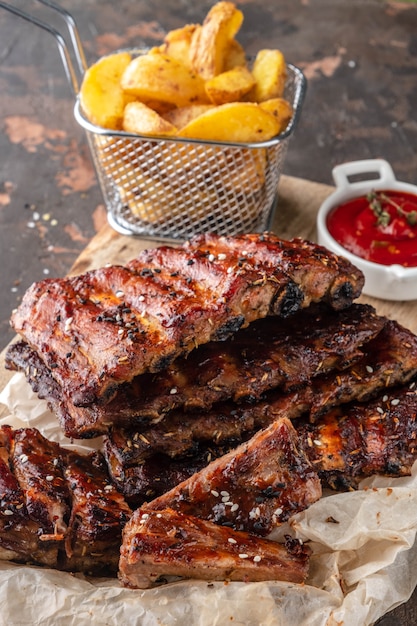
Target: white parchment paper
(364, 563)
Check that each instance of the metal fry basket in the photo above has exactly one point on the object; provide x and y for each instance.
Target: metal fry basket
(173, 188)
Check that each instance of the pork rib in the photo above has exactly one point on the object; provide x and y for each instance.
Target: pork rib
(161, 544)
(103, 328)
(339, 445)
(98, 515)
(269, 353)
(253, 488)
(387, 360)
(362, 439)
(320, 274)
(94, 514)
(19, 540)
(58, 508)
(38, 466)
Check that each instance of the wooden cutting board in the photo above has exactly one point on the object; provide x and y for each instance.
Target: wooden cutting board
(298, 203)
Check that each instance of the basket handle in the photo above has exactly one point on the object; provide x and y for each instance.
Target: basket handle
(62, 45)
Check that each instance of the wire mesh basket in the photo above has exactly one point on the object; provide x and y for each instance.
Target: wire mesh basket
(172, 188)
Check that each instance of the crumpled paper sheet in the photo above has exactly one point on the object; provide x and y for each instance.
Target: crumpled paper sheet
(364, 564)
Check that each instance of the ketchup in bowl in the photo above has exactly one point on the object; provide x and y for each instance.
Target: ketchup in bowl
(379, 227)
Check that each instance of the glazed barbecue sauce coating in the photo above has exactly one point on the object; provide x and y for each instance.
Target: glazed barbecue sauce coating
(389, 240)
(159, 544)
(99, 330)
(269, 353)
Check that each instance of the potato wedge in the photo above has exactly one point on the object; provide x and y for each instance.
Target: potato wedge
(157, 76)
(210, 41)
(230, 86)
(139, 118)
(102, 98)
(281, 109)
(115, 154)
(182, 116)
(236, 122)
(250, 179)
(160, 107)
(270, 73)
(142, 208)
(177, 43)
(234, 56)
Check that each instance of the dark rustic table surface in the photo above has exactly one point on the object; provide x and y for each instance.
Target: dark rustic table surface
(360, 59)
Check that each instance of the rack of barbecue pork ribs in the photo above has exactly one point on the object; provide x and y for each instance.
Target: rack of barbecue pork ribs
(231, 379)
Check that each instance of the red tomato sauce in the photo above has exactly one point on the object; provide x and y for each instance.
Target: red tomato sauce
(381, 227)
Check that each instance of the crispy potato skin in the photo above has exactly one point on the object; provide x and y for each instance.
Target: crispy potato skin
(241, 122)
(230, 86)
(270, 73)
(141, 119)
(157, 76)
(210, 41)
(281, 109)
(102, 98)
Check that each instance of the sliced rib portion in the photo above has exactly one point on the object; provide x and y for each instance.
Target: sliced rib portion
(253, 488)
(98, 514)
(58, 508)
(184, 442)
(19, 539)
(269, 353)
(158, 545)
(341, 445)
(38, 466)
(362, 439)
(103, 328)
(93, 515)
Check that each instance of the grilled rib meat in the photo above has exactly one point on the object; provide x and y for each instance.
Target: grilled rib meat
(359, 440)
(103, 328)
(319, 274)
(58, 508)
(141, 480)
(348, 444)
(253, 488)
(38, 466)
(19, 539)
(269, 353)
(93, 515)
(150, 477)
(98, 515)
(161, 544)
(387, 360)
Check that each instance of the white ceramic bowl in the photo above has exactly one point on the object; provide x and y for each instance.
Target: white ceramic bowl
(390, 282)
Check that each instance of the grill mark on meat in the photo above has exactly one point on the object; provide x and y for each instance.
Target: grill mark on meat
(158, 545)
(100, 329)
(254, 488)
(269, 353)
